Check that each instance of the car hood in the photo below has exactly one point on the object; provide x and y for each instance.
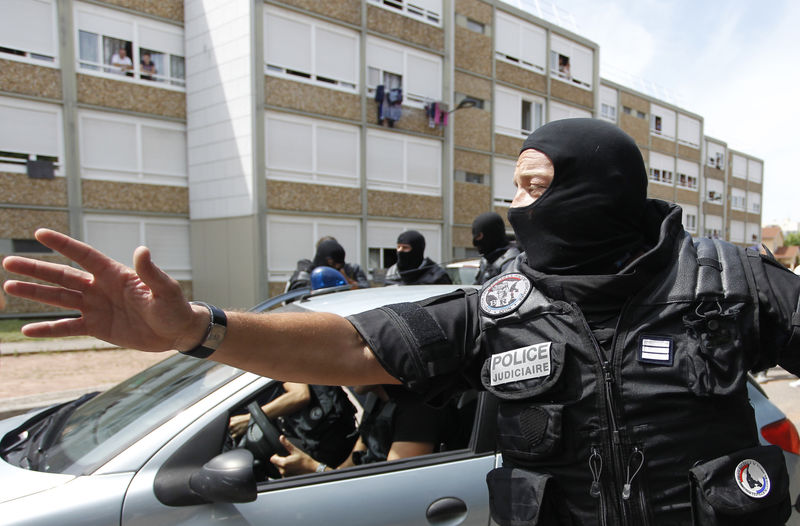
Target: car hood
(17, 482)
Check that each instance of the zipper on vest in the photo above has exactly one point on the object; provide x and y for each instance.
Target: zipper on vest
(596, 489)
(636, 459)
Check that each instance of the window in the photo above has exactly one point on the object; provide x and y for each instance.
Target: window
(291, 238)
(520, 42)
(428, 11)
(754, 169)
(560, 111)
(470, 177)
(661, 168)
(715, 155)
(503, 177)
(477, 27)
(754, 202)
(28, 31)
(738, 199)
(308, 50)
(689, 218)
(687, 174)
(419, 74)
(331, 156)
(117, 44)
(517, 113)
(30, 132)
(571, 62)
(118, 236)
(608, 104)
(753, 233)
(627, 110)
(641, 115)
(737, 232)
(739, 167)
(688, 131)
(662, 121)
(402, 163)
(382, 239)
(132, 149)
(715, 191)
(30, 246)
(713, 228)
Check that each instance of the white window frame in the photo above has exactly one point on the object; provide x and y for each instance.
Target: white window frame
(753, 233)
(715, 155)
(737, 233)
(375, 180)
(505, 117)
(754, 202)
(139, 26)
(608, 104)
(689, 218)
(318, 173)
(409, 77)
(661, 169)
(560, 111)
(312, 76)
(688, 131)
(503, 189)
(427, 11)
(581, 62)
(383, 235)
(713, 227)
(34, 50)
(754, 171)
(688, 175)
(662, 122)
(715, 191)
(520, 43)
(738, 199)
(139, 175)
(178, 272)
(739, 167)
(17, 161)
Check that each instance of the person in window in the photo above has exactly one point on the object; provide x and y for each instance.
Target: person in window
(147, 67)
(329, 253)
(412, 267)
(563, 67)
(396, 424)
(122, 62)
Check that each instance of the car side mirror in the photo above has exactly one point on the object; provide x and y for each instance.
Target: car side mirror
(227, 477)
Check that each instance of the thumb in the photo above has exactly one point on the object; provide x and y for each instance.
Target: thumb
(290, 448)
(155, 278)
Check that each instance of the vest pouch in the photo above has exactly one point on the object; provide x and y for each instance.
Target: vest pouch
(522, 498)
(529, 432)
(746, 487)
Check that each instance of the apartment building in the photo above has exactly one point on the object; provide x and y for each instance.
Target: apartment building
(268, 124)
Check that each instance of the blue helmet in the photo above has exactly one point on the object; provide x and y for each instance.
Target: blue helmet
(325, 277)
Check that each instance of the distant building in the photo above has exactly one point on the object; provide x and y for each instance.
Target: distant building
(773, 238)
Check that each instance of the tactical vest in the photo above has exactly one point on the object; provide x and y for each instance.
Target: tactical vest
(376, 430)
(489, 270)
(589, 438)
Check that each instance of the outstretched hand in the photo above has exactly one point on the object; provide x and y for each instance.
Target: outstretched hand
(141, 308)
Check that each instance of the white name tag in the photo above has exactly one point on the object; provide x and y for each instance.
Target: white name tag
(520, 364)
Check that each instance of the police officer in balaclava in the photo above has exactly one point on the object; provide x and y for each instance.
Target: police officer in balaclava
(330, 254)
(412, 267)
(489, 237)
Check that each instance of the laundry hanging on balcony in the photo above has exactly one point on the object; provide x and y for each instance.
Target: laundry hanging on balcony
(390, 104)
(437, 114)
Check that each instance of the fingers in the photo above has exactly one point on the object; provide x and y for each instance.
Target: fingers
(159, 281)
(84, 255)
(57, 296)
(55, 329)
(288, 445)
(55, 273)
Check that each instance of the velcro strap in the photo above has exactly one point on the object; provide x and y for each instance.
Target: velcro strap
(709, 262)
(428, 335)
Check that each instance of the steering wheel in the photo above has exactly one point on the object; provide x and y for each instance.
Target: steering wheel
(262, 438)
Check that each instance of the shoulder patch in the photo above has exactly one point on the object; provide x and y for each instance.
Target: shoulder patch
(505, 294)
(752, 479)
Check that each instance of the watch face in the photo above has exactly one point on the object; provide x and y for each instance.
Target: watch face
(215, 336)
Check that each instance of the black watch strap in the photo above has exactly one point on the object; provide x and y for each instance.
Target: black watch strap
(214, 334)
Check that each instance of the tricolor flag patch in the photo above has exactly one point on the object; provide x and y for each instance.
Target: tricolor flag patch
(655, 349)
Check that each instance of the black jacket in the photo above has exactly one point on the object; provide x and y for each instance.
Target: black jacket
(429, 272)
(496, 263)
(301, 277)
(615, 391)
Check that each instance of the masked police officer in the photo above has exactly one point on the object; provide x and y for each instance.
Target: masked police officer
(619, 349)
(497, 254)
(413, 267)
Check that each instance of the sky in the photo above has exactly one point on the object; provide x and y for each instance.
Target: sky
(736, 63)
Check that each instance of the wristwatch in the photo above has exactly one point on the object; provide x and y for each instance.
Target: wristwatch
(214, 334)
(321, 467)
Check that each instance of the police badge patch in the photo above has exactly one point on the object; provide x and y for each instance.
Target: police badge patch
(752, 479)
(505, 294)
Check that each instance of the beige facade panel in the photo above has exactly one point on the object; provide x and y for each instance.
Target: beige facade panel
(472, 162)
(276, 287)
(23, 306)
(473, 51)
(29, 79)
(687, 152)
(737, 215)
(473, 86)
(712, 173)
(660, 191)
(285, 195)
(395, 204)
(475, 9)
(713, 209)
(683, 195)
(636, 128)
(171, 9)
(645, 154)
(735, 182)
(503, 211)
(312, 99)
(662, 145)
(21, 223)
(472, 128)
(387, 23)
(632, 101)
(128, 96)
(412, 119)
(755, 187)
(462, 236)
(111, 195)
(469, 201)
(572, 94)
(503, 144)
(19, 189)
(753, 218)
(346, 10)
(520, 77)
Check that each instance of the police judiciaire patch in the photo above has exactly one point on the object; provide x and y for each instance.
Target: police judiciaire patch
(505, 294)
(523, 363)
(752, 478)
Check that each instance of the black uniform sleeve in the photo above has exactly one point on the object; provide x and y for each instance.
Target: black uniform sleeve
(779, 313)
(431, 346)
(360, 276)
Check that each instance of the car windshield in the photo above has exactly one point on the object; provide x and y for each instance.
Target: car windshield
(106, 424)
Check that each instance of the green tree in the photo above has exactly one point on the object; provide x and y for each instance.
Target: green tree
(792, 239)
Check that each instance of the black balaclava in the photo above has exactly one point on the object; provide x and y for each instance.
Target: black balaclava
(591, 218)
(493, 228)
(328, 249)
(413, 259)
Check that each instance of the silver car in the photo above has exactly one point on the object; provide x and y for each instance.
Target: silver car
(152, 450)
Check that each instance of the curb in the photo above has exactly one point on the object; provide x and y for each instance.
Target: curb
(22, 404)
(56, 345)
